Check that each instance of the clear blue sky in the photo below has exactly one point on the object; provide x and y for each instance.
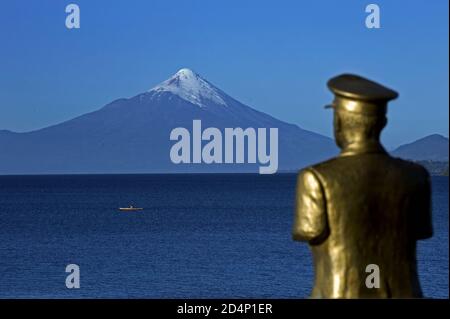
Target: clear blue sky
(275, 56)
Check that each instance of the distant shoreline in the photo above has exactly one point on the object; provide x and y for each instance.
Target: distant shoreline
(142, 174)
(436, 168)
(138, 174)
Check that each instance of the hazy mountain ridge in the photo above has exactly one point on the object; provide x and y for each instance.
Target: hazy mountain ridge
(430, 151)
(429, 148)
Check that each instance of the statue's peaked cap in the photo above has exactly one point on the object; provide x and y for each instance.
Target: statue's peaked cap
(355, 87)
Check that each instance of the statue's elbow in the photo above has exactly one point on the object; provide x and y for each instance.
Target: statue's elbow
(299, 235)
(425, 234)
(312, 237)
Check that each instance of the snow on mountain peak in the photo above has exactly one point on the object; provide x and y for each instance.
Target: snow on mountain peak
(191, 87)
(186, 73)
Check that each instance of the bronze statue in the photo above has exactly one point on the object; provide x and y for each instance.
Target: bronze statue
(363, 207)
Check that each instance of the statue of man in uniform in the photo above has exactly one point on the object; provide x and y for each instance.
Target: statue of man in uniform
(363, 210)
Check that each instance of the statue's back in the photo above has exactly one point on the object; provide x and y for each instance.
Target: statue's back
(376, 208)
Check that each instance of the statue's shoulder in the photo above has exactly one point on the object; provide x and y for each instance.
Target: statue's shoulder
(325, 165)
(411, 167)
(318, 170)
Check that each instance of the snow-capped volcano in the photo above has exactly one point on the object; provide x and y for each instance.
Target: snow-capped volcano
(132, 135)
(191, 87)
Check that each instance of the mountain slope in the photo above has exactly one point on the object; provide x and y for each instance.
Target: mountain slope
(430, 148)
(131, 135)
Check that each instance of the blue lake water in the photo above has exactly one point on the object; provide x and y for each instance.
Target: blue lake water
(216, 236)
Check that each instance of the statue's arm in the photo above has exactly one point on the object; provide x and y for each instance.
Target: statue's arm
(310, 220)
(423, 217)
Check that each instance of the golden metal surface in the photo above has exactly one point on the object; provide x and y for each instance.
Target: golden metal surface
(363, 207)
